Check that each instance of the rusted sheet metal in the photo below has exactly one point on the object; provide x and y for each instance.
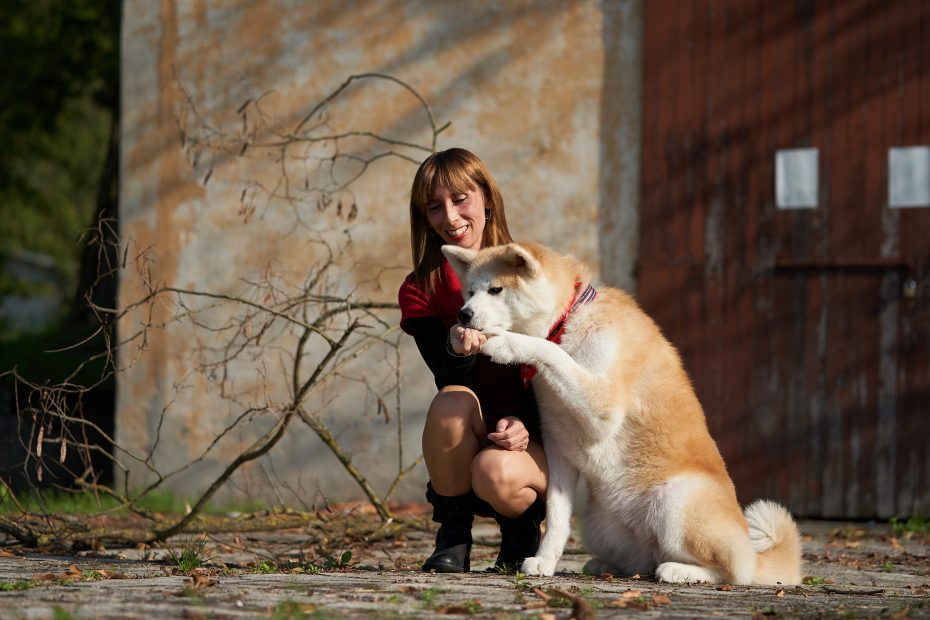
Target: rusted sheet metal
(807, 332)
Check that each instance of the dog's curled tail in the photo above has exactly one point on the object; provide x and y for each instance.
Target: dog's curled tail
(776, 541)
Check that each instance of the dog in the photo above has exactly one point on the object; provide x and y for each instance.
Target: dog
(618, 409)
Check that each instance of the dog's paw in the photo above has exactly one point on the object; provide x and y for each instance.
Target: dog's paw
(676, 572)
(500, 347)
(537, 566)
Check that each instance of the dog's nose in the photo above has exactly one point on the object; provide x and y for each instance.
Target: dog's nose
(465, 316)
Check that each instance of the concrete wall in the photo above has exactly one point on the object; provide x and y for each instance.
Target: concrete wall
(546, 93)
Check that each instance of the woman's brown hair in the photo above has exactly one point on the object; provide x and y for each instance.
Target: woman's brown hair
(458, 171)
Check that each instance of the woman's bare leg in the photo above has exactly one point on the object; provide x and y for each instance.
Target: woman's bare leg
(453, 434)
(510, 480)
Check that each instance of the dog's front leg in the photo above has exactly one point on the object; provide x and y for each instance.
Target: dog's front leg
(505, 347)
(560, 495)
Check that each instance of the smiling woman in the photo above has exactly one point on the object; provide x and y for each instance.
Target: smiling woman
(458, 218)
(481, 440)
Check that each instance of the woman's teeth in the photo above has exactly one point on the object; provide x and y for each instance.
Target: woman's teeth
(458, 232)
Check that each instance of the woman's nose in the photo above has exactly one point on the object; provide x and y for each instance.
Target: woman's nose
(448, 212)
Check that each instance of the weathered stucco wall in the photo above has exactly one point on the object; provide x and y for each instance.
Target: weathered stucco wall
(546, 93)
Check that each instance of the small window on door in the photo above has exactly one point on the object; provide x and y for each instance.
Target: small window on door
(796, 178)
(909, 177)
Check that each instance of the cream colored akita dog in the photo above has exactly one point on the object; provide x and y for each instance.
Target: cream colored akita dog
(618, 409)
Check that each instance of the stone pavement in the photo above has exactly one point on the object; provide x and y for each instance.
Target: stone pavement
(853, 571)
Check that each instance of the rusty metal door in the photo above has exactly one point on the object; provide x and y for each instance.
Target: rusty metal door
(802, 314)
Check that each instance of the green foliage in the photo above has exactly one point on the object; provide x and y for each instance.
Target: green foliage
(813, 581)
(428, 596)
(58, 502)
(914, 523)
(10, 586)
(189, 556)
(56, 111)
(522, 581)
(86, 503)
(329, 562)
(59, 613)
(264, 568)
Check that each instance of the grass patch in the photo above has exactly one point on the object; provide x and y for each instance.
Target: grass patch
(13, 586)
(54, 501)
(190, 556)
(428, 596)
(59, 613)
(916, 524)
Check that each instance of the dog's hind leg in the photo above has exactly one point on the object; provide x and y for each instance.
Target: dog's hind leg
(615, 547)
(703, 534)
(677, 572)
(563, 478)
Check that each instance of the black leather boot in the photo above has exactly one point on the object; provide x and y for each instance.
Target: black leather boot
(519, 537)
(453, 540)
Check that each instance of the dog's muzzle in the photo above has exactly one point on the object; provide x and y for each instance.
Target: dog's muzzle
(465, 316)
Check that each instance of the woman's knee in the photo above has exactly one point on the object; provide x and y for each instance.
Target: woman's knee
(492, 479)
(453, 407)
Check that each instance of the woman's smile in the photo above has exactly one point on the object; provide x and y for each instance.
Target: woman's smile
(458, 217)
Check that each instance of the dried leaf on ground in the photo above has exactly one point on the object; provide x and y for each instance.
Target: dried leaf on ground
(202, 581)
(661, 599)
(535, 605)
(630, 603)
(581, 610)
(545, 597)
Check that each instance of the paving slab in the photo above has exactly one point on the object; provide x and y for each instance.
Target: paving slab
(853, 571)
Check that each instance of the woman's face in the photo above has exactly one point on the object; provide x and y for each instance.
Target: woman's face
(458, 218)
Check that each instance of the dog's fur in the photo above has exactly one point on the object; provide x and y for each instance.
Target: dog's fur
(618, 409)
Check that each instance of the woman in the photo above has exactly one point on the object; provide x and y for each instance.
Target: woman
(481, 440)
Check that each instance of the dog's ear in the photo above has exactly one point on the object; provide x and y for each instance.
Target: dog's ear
(522, 259)
(460, 259)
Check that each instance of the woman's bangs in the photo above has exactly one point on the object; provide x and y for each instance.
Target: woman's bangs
(454, 178)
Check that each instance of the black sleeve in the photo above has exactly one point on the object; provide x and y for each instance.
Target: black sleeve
(430, 335)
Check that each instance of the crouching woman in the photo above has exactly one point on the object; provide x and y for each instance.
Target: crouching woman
(481, 440)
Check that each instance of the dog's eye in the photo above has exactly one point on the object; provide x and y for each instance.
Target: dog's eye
(494, 290)
(471, 293)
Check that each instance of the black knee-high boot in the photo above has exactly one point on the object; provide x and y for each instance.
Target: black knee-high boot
(453, 540)
(519, 536)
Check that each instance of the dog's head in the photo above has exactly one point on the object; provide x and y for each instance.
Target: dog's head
(515, 287)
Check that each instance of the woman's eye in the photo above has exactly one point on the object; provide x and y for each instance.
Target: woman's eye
(460, 199)
(494, 290)
(433, 208)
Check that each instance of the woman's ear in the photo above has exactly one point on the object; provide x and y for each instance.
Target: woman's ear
(460, 259)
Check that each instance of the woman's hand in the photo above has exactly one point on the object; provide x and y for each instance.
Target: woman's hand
(511, 434)
(465, 341)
